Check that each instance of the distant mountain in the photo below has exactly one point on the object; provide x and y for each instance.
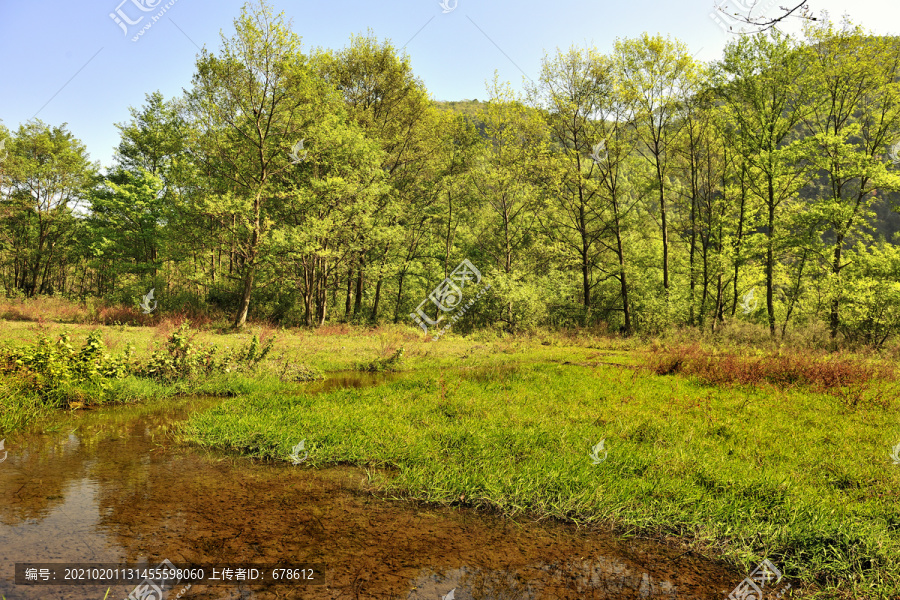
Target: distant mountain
(472, 108)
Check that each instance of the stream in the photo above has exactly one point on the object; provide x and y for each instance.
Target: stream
(113, 485)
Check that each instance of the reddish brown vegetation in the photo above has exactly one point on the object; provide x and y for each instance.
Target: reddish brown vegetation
(822, 373)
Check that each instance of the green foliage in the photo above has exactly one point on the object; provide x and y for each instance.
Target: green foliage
(872, 296)
(635, 190)
(300, 373)
(383, 365)
(51, 368)
(183, 358)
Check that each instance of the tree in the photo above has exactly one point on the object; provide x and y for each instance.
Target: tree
(762, 82)
(855, 112)
(47, 174)
(657, 74)
(567, 91)
(503, 178)
(391, 105)
(252, 103)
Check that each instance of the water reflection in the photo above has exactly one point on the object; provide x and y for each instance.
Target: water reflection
(114, 486)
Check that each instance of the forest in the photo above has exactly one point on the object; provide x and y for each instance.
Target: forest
(632, 190)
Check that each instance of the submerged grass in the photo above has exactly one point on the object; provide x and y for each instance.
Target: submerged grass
(750, 472)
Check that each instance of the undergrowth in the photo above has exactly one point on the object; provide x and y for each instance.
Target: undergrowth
(848, 378)
(58, 374)
(389, 364)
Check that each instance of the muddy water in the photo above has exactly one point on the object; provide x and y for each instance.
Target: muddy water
(113, 486)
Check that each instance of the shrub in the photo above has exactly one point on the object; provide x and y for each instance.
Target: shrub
(380, 365)
(183, 358)
(49, 368)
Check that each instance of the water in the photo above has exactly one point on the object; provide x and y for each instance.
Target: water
(114, 486)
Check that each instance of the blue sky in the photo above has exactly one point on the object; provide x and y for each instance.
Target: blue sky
(69, 62)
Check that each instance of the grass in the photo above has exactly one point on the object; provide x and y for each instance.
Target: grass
(795, 476)
(731, 451)
(297, 354)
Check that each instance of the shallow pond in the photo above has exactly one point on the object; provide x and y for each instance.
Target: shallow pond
(113, 486)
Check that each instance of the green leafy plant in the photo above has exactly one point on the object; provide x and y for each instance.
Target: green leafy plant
(52, 368)
(381, 365)
(184, 358)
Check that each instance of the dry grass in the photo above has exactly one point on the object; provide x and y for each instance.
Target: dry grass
(838, 374)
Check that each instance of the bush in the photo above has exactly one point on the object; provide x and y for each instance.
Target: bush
(50, 368)
(182, 358)
(381, 365)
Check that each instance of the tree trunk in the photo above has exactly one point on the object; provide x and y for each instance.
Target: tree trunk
(357, 302)
(620, 250)
(836, 271)
(241, 318)
(770, 260)
(349, 298)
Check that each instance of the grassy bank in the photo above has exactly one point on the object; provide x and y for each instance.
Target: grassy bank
(802, 478)
(49, 383)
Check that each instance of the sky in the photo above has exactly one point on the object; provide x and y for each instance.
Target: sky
(72, 62)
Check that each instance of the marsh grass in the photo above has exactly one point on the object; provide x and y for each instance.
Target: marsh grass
(852, 378)
(749, 472)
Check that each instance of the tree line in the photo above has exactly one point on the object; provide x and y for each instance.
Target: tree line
(638, 189)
